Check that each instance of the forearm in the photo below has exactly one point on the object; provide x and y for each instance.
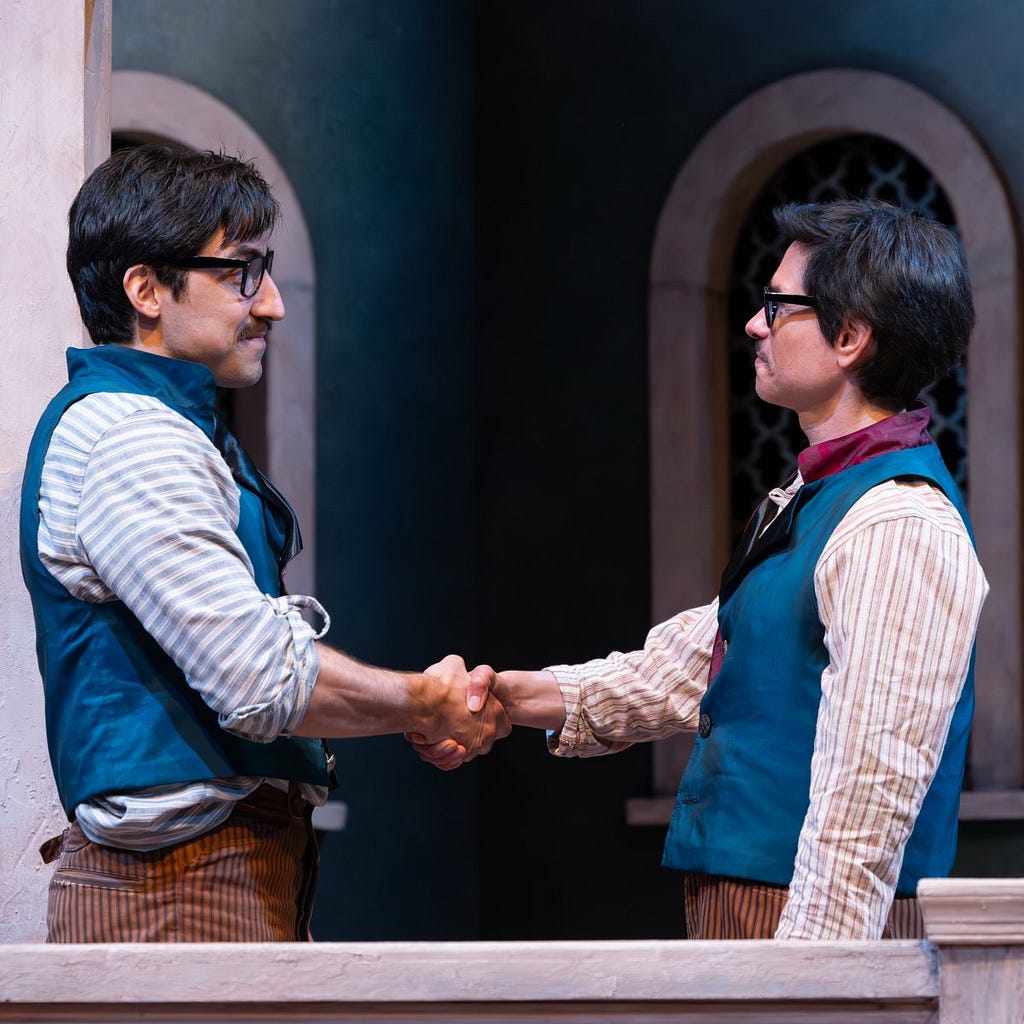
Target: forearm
(611, 703)
(350, 698)
(600, 707)
(531, 698)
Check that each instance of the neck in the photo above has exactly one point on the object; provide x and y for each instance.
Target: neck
(848, 413)
(148, 338)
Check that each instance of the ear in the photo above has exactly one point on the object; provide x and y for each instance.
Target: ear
(144, 291)
(855, 344)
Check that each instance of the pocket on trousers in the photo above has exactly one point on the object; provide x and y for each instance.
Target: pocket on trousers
(83, 862)
(97, 880)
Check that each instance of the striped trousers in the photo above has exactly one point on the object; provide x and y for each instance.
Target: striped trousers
(251, 879)
(718, 907)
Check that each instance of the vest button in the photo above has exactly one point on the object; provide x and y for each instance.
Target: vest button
(704, 726)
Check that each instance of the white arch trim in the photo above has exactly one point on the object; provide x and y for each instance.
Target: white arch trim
(148, 104)
(688, 416)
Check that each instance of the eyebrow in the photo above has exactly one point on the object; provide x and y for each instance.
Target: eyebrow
(244, 251)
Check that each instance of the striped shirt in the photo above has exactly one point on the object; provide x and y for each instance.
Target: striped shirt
(899, 591)
(137, 505)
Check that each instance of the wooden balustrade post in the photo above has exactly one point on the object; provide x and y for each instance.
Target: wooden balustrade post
(977, 925)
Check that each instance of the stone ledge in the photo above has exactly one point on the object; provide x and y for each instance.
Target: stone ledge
(213, 978)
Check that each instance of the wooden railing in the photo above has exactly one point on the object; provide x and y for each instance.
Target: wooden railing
(971, 969)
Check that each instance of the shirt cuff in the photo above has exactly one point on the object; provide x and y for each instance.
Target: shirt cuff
(576, 738)
(307, 657)
(297, 668)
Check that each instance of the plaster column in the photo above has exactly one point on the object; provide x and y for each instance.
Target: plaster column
(55, 84)
(977, 924)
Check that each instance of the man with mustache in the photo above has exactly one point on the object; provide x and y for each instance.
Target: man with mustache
(184, 689)
(831, 682)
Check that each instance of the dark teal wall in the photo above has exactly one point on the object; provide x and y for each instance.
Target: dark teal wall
(482, 182)
(368, 107)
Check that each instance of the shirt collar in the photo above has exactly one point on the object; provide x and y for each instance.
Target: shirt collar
(895, 433)
(186, 386)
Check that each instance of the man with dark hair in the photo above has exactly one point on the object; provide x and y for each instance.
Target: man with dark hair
(903, 275)
(184, 689)
(831, 681)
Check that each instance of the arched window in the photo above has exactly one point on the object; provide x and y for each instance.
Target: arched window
(151, 107)
(691, 277)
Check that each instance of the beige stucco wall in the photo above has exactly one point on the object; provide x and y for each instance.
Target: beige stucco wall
(55, 84)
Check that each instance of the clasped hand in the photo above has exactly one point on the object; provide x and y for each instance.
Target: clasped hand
(468, 720)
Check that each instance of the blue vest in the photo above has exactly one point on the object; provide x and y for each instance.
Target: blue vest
(120, 715)
(746, 789)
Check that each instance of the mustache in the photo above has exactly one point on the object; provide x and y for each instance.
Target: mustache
(258, 327)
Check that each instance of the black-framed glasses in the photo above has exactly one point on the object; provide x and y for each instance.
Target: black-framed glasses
(772, 301)
(252, 269)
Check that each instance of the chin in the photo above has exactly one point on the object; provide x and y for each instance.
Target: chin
(240, 380)
(766, 396)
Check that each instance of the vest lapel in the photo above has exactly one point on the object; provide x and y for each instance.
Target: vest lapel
(759, 540)
(248, 475)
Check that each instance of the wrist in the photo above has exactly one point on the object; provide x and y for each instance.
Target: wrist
(531, 698)
(423, 698)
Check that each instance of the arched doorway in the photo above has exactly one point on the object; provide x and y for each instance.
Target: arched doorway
(146, 106)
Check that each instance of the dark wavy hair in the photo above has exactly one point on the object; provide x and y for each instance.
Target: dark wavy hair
(903, 275)
(154, 202)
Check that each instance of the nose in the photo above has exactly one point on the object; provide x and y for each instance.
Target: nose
(267, 302)
(757, 326)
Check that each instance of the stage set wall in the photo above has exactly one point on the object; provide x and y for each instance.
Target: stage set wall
(482, 184)
(368, 108)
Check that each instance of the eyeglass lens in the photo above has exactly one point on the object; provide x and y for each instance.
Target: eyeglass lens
(254, 272)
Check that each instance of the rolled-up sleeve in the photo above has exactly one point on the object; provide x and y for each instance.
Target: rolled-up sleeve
(155, 529)
(643, 695)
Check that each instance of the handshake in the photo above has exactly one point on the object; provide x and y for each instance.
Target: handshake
(448, 714)
(466, 713)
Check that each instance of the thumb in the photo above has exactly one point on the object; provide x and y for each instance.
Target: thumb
(480, 680)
